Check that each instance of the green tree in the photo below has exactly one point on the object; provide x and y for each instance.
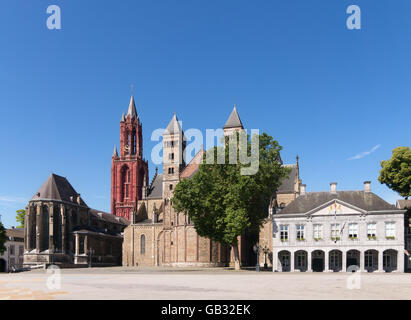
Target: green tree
(223, 203)
(396, 172)
(3, 239)
(20, 217)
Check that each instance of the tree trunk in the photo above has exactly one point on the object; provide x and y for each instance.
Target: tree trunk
(236, 257)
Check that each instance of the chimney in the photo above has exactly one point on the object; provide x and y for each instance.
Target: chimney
(302, 189)
(367, 186)
(333, 187)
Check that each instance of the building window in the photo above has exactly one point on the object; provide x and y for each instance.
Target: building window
(143, 244)
(171, 156)
(372, 230)
(318, 231)
(390, 230)
(283, 232)
(300, 232)
(335, 231)
(371, 259)
(12, 261)
(170, 170)
(301, 260)
(353, 231)
(171, 187)
(21, 250)
(12, 250)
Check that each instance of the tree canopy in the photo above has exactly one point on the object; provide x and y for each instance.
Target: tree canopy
(20, 217)
(222, 202)
(3, 238)
(396, 172)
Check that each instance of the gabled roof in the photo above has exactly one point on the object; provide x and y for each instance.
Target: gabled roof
(174, 126)
(132, 108)
(57, 188)
(233, 120)
(156, 189)
(99, 215)
(193, 166)
(367, 201)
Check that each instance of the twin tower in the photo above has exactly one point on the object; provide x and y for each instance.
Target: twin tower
(129, 170)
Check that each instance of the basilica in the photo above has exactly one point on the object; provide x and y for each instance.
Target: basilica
(157, 235)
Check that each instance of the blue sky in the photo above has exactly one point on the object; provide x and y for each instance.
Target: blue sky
(292, 67)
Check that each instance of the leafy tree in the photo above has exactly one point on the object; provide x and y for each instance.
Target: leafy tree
(396, 172)
(223, 203)
(20, 217)
(3, 238)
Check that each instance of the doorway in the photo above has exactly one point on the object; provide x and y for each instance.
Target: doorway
(317, 262)
(3, 265)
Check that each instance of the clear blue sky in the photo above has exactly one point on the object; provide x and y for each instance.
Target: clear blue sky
(295, 71)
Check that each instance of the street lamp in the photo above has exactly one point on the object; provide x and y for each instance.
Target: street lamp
(90, 253)
(256, 249)
(265, 250)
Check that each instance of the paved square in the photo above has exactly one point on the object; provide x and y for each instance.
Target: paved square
(152, 284)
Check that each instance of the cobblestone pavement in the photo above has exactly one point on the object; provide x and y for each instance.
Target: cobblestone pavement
(159, 283)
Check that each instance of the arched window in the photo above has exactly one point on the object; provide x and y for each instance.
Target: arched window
(133, 139)
(125, 179)
(143, 244)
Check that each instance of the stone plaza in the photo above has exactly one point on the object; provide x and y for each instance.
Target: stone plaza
(193, 283)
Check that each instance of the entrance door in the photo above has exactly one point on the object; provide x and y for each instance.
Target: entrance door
(318, 264)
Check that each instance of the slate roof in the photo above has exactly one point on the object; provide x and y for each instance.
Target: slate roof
(132, 108)
(233, 120)
(16, 234)
(57, 188)
(404, 204)
(288, 183)
(174, 126)
(367, 201)
(108, 217)
(156, 190)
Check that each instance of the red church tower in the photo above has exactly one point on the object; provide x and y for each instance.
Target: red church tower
(129, 171)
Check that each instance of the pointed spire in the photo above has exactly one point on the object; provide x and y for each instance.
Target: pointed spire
(132, 108)
(174, 126)
(233, 120)
(115, 153)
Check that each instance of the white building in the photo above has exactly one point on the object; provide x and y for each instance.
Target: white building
(331, 231)
(12, 257)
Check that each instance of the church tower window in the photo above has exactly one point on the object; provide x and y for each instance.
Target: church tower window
(143, 244)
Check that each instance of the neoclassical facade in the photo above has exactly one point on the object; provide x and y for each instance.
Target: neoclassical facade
(60, 228)
(338, 231)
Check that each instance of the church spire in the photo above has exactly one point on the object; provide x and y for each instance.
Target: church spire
(132, 108)
(174, 126)
(233, 120)
(115, 153)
